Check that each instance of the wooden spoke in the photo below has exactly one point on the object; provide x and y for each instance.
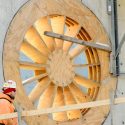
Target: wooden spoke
(85, 82)
(72, 31)
(85, 65)
(34, 78)
(35, 40)
(92, 92)
(69, 99)
(31, 66)
(42, 25)
(33, 53)
(76, 51)
(59, 101)
(46, 100)
(78, 94)
(58, 24)
(39, 89)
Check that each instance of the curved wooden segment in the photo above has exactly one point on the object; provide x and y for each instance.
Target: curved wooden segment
(92, 60)
(98, 69)
(96, 57)
(59, 101)
(39, 89)
(89, 61)
(83, 35)
(31, 66)
(79, 96)
(69, 99)
(41, 26)
(34, 78)
(33, 53)
(76, 51)
(85, 82)
(47, 98)
(58, 26)
(71, 31)
(33, 37)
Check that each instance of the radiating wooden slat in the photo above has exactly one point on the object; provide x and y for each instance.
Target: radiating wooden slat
(33, 53)
(34, 78)
(95, 93)
(71, 31)
(47, 98)
(92, 92)
(76, 51)
(85, 82)
(59, 101)
(85, 65)
(58, 25)
(33, 37)
(31, 66)
(69, 99)
(39, 89)
(43, 25)
(78, 94)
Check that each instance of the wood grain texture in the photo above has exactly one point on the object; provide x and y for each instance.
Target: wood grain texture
(27, 15)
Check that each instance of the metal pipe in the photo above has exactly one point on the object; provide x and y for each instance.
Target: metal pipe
(116, 34)
(114, 37)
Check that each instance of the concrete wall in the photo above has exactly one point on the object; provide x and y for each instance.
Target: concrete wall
(9, 7)
(99, 7)
(7, 10)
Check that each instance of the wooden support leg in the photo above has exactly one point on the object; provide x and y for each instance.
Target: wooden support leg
(112, 94)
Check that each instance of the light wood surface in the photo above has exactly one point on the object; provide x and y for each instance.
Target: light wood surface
(98, 103)
(35, 18)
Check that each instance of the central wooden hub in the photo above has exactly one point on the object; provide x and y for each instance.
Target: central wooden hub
(59, 68)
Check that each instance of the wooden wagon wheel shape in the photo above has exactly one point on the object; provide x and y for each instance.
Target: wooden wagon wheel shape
(55, 67)
(64, 73)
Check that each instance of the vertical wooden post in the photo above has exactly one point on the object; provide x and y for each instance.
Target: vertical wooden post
(18, 108)
(112, 105)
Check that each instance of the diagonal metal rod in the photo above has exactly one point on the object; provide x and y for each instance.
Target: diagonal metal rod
(100, 46)
(120, 46)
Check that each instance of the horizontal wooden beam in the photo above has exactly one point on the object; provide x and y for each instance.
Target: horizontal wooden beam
(100, 46)
(63, 108)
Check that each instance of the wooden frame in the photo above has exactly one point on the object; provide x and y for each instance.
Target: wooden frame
(27, 15)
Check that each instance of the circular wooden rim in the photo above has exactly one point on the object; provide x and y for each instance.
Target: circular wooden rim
(80, 14)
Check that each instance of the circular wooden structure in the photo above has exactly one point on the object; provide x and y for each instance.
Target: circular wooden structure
(53, 61)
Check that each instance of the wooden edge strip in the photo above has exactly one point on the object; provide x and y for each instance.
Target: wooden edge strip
(63, 108)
